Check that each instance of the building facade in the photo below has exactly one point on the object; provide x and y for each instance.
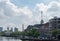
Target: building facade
(15, 29)
(1, 29)
(46, 28)
(54, 23)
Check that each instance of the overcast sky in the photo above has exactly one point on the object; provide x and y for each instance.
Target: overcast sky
(14, 13)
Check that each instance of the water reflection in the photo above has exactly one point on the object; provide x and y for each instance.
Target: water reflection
(8, 39)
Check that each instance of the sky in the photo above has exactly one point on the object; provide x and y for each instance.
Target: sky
(14, 13)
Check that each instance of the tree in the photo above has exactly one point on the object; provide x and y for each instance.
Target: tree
(23, 33)
(33, 33)
(54, 32)
(15, 33)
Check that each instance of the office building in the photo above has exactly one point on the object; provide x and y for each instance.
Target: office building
(15, 29)
(1, 29)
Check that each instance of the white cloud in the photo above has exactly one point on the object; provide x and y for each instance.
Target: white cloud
(41, 7)
(11, 9)
(25, 10)
(2, 16)
(11, 13)
(5, 0)
(23, 15)
(10, 24)
(50, 10)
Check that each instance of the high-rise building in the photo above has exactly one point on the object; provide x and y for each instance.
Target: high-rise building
(1, 28)
(11, 29)
(7, 28)
(15, 29)
(22, 27)
(7, 32)
(54, 23)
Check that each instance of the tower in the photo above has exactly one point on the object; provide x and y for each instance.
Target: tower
(7, 28)
(11, 29)
(42, 26)
(42, 17)
(15, 29)
(22, 27)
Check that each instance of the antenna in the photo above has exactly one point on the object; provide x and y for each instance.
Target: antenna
(42, 17)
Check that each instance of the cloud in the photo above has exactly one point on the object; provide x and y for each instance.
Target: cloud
(49, 11)
(41, 7)
(12, 10)
(26, 11)
(54, 6)
(14, 15)
(2, 16)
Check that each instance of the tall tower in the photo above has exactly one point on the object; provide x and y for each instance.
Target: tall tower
(7, 28)
(15, 29)
(11, 29)
(22, 27)
(42, 17)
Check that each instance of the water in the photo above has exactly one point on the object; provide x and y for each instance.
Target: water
(8, 39)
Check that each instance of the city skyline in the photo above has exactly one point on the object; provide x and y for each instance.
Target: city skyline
(14, 13)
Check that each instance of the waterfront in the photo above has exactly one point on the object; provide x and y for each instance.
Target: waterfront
(8, 39)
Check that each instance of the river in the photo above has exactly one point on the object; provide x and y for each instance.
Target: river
(8, 39)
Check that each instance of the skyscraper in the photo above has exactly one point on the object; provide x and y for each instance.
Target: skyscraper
(11, 29)
(7, 28)
(1, 28)
(15, 29)
(22, 27)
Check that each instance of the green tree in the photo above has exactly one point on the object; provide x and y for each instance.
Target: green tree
(12, 34)
(33, 33)
(15, 33)
(23, 33)
(54, 32)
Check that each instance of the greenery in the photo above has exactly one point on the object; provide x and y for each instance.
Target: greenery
(33, 33)
(15, 33)
(54, 32)
(23, 33)
(1, 33)
(12, 34)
